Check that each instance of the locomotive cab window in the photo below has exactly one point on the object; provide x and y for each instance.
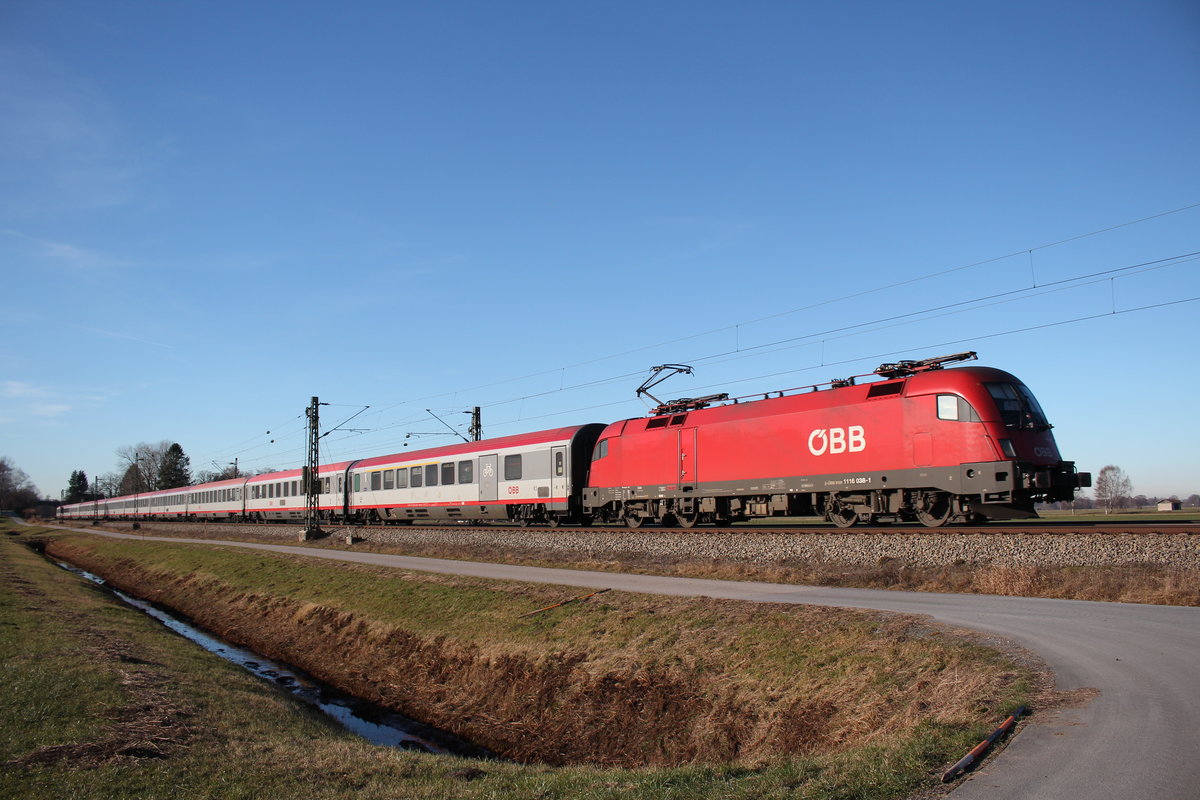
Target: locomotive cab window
(601, 450)
(1017, 406)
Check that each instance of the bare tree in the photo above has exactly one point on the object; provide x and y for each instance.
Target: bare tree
(17, 492)
(1112, 487)
(141, 465)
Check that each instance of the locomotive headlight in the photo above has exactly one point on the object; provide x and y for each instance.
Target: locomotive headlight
(1006, 446)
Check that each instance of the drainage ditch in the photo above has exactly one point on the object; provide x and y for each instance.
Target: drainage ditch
(373, 723)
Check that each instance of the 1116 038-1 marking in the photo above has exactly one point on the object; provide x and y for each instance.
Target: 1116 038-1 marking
(852, 439)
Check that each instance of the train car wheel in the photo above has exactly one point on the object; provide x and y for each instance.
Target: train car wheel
(634, 521)
(935, 510)
(687, 520)
(553, 521)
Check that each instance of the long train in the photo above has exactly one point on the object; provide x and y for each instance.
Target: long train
(918, 442)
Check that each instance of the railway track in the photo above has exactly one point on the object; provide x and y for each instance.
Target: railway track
(1039, 528)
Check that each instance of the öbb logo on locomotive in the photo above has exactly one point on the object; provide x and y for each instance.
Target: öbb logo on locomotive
(965, 444)
(837, 440)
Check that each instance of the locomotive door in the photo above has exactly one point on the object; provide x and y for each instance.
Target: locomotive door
(487, 477)
(558, 472)
(687, 457)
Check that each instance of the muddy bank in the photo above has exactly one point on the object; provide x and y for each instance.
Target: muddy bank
(570, 703)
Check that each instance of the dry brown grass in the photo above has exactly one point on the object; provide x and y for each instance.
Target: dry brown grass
(624, 680)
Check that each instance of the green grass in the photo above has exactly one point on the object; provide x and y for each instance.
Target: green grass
(78, 665)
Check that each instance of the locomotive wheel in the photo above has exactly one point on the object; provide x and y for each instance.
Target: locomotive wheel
(687, 520)
(840, 514)
(634, 521)
(935, 510)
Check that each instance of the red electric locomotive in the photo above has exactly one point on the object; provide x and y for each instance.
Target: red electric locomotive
(923, 443)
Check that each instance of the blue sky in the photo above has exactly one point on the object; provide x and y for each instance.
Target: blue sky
(211, 212)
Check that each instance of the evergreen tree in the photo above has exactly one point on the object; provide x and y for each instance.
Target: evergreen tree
(175, 470)
(77, 487)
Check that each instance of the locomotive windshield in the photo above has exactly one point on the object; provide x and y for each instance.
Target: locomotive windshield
(1018, 407)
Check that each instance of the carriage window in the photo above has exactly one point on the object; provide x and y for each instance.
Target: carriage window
(431, 475)
(512, 468)
(558, 464)
(295, 488)
(417, 475)
(376, 481)
(389, 480)
(448, 470)
(402, 479)
(357, 481)
(341, 483)
(325, 486)
(466, 472)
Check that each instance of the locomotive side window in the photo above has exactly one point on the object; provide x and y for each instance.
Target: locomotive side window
(657, 422)
(466, 472)
(512, 468)
(955, 408)
(601, 450)
(448, 470)
(417, 475)
(431, 475)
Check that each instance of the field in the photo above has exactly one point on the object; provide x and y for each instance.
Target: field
(619, 695)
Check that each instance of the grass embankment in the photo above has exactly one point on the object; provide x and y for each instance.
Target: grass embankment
(679, 698)
(1152, 583)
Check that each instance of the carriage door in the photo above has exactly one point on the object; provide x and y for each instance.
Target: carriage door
(687, 458)
(558, 471)
(487, 477)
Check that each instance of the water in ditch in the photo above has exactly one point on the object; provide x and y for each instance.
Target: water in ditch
(375, 724)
